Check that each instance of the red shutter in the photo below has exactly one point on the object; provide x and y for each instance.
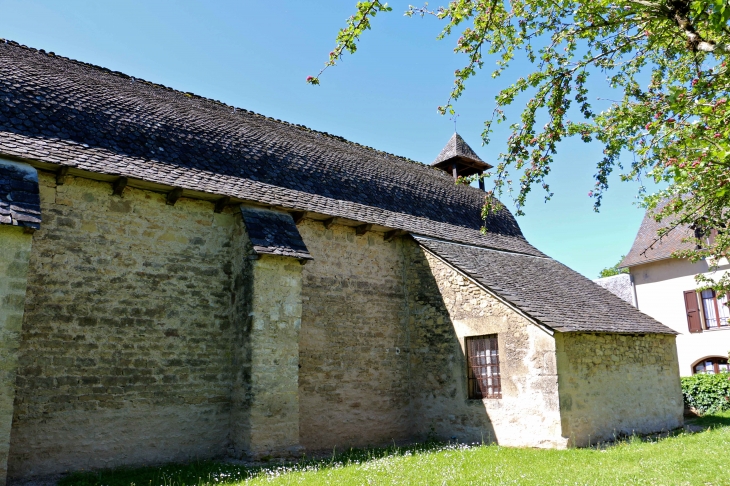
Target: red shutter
(693, 311)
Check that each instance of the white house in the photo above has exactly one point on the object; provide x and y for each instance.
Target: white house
(665, 288)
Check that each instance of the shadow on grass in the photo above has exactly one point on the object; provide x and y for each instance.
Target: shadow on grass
(201, 473)
(720, 419)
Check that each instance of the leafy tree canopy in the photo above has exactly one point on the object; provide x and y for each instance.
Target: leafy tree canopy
(666, 58)
(614, 270)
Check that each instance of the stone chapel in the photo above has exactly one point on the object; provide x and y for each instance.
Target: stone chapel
(184, 279)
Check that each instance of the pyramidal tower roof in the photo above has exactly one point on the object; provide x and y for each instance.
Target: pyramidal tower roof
(457, 157)
(457, 147)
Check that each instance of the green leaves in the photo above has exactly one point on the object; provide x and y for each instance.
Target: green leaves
(614, 270)
(666, 60)
(348, 37)
(707, 393)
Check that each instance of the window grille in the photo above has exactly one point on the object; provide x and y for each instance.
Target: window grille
(483, 358)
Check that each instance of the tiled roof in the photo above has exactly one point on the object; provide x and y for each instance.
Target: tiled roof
(456, 147)
(546, 290)
(274, 233)
(19, 198)
(65, 112)
(648, 247)
(68, 113)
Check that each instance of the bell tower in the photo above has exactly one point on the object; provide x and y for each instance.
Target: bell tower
(458, 159)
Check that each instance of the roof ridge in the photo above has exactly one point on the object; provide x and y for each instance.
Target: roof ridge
(215, 102)
(480, 247)
(170, 137)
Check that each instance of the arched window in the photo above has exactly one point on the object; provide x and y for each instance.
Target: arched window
(711, 365)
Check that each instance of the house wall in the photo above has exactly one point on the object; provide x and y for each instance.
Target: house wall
(660, 290)
(125, 356)
(353, 380)
(445, 307)
(15, 247)
(612, 385)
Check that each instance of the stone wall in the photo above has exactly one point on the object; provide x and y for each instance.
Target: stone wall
(15, 247)
(267, 403)
(126, 352)
(445, 308)
(620, 286)
(151, 334)
(613, 385)
(353, 380)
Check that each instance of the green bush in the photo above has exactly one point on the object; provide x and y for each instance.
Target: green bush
(707, 393)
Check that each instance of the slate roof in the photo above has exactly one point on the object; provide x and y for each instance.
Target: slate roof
(65, 112)
(456, 147)
(647, 236)
(546, 290)
(274, 233)
(20, 203)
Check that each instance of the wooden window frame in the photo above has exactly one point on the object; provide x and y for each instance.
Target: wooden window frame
(716, 304)
(697, 320)
(715, 364)
(485, 343)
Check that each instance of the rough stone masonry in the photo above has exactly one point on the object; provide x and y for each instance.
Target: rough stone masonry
(183, 280)
(153, 333)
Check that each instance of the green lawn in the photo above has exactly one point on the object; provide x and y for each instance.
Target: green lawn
(701, 458)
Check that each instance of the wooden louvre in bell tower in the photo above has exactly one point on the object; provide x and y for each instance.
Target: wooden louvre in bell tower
(459, 160)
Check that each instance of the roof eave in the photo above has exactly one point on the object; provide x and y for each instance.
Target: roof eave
(445, 165)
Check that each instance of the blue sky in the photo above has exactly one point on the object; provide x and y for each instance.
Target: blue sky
(256, 55)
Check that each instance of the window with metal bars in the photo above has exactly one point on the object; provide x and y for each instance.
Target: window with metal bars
(482, 354)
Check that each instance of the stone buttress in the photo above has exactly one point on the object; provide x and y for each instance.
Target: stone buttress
(268, 312)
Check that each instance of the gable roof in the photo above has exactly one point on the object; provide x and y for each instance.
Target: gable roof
(63, 112)
(546, 290)
(94, 119)
(648, 247)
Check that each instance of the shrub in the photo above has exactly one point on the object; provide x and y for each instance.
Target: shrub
(707, 393)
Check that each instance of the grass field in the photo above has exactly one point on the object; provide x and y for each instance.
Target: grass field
(701, 458)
